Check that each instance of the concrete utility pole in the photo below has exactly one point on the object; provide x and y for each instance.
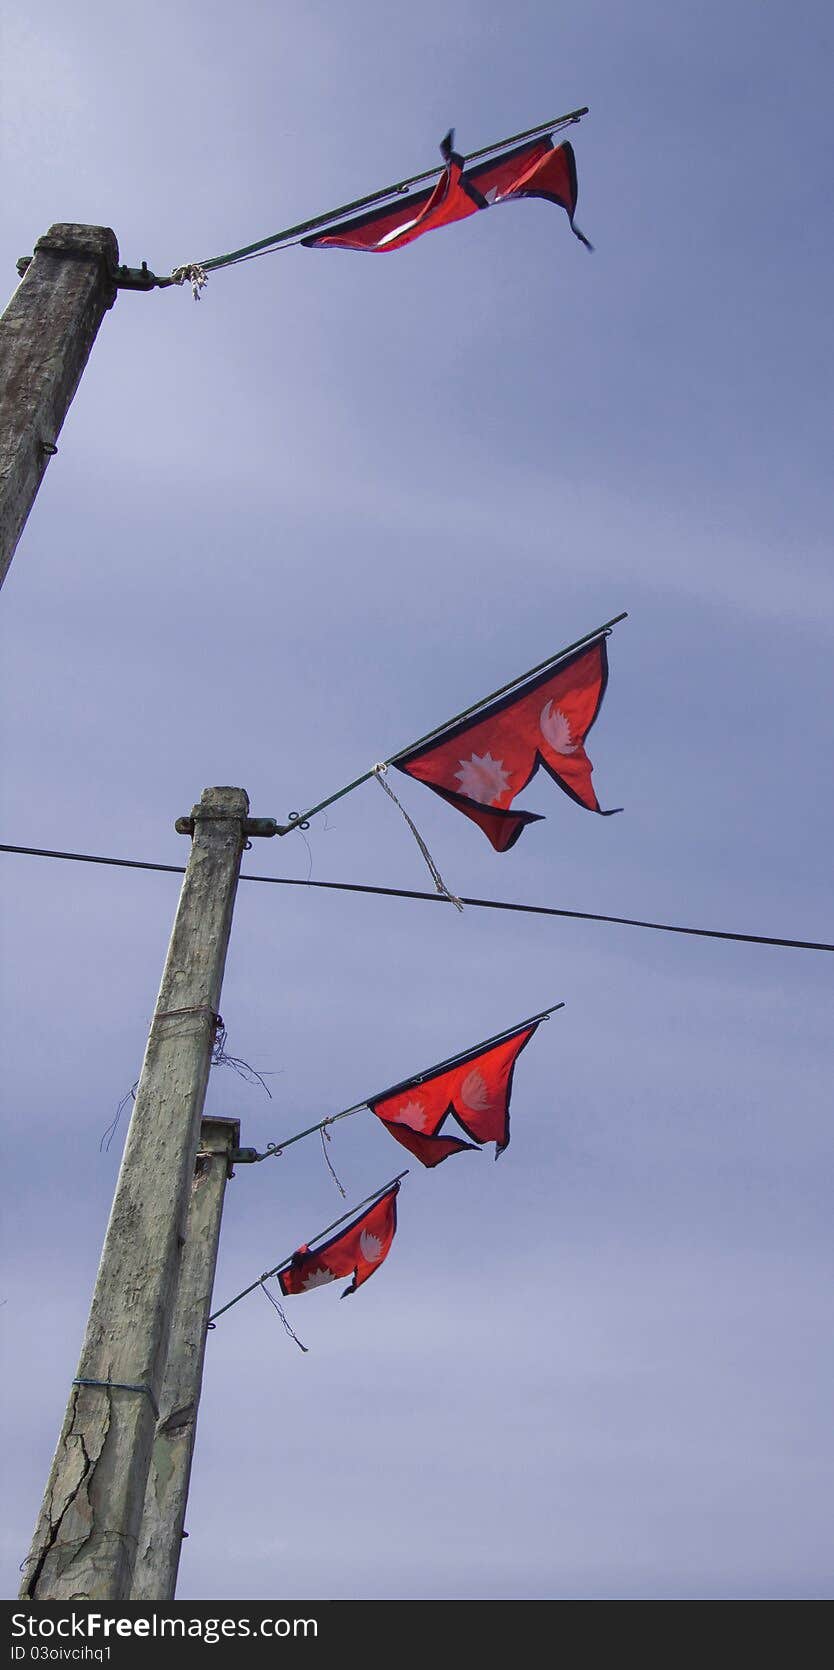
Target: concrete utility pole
(46, 335)
(85, 1540)
(160, 1538)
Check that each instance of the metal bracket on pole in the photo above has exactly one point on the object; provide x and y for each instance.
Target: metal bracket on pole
(136, 278)
(251, 826)
(219, 1135)
(124, 278)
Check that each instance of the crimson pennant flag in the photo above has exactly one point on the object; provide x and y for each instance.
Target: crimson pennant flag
(479, 765)
(537, 169)
(358, 1250)
(475, 1089)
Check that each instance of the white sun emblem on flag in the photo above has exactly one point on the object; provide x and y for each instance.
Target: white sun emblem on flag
(482, 778)
(555, 728)
(475, 1092)
(317, 1278)
(414, 1115)
(370, 1247)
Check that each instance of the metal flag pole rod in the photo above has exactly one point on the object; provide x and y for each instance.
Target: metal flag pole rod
(377, 1195)
(277, 1148)
(463, 1055)
(375, 197)
(494, 694)
(304, 817)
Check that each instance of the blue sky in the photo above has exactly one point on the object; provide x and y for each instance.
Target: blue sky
(297, 525)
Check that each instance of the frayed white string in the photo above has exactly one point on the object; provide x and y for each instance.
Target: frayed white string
(274, 1302)
(191, 274)
(380, 774)
(325, 1139)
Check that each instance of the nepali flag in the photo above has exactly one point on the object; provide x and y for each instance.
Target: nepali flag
(475, 1089)
(479, 765)
(537, 169)
(358, 1250)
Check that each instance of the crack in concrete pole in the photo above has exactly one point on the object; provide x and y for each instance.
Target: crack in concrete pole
(86, 1537)
(166, 1496)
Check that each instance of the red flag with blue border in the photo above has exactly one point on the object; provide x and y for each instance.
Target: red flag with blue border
(480, 764)
(358, 1250)
(475, 1090)
(537, 169)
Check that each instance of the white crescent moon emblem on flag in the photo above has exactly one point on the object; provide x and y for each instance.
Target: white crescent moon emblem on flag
(475, 1092)
(370, 1247)
(555, 729)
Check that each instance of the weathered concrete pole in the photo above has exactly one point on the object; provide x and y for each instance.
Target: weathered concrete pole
(85, 1540)
(166, 1496)
(46, 335)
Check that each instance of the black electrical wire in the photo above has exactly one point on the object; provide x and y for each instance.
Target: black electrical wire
(438, 899)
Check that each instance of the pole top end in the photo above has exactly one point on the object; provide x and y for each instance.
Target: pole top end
(219, 1137)
(221, 803)
(90, 242)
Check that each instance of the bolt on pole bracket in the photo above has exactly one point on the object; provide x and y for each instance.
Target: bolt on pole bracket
(138, 278)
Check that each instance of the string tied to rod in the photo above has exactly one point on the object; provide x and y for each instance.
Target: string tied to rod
(275, 1305)
(192, 273)
(380, 772)
(326, 1138)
